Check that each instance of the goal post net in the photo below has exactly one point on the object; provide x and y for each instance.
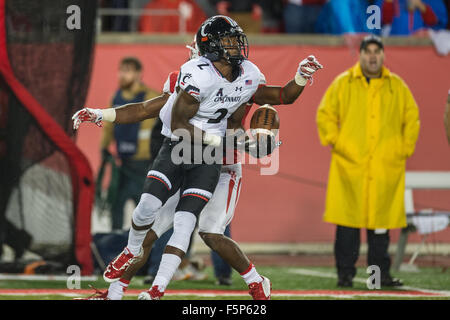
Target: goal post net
(46, 188)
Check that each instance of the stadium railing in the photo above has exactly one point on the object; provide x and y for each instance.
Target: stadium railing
(142, 12)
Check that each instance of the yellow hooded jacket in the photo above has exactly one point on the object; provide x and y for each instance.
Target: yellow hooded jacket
(372, 128)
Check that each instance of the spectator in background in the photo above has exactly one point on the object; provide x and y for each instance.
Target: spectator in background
(405, 17)
(447, 4)
(247, 13)
(134, 19)
(343, 17)
(300, 16)
(447, 118)
(118, 23)
(208, 7)
(191, 12)
(272, 16)
(132, 140)
(371, 121)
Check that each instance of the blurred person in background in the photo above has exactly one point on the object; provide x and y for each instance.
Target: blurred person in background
(272, 16)
(134, 19)
(247, 13)
(447, 118)
(300, 16)
(405, 17)
(371, 121)
(132, 140)
(343, 17)
(190, 11)
(447, 4)
(119, 23)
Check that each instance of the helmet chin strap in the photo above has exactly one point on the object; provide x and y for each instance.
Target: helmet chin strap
(233, 61)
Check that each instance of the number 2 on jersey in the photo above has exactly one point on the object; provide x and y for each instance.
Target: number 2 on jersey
(222, 113)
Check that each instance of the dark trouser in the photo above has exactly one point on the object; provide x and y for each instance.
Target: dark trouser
(196, 181)
(346, 251)
(131, 181)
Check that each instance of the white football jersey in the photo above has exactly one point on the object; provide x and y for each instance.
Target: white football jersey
(218, 97)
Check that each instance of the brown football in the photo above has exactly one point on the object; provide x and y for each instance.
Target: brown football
(264, 119)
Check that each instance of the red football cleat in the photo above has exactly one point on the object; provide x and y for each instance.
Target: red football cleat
(260, 290)
(116, 268)
(152, 294)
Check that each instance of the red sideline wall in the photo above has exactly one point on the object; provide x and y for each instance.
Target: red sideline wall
(288, 207)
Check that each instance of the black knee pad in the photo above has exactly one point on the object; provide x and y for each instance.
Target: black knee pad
(193, 202)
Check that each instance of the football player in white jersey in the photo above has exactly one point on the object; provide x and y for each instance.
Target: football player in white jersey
(224, 49)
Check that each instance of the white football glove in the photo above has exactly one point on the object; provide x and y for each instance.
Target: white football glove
(87, 115)
(306, 69)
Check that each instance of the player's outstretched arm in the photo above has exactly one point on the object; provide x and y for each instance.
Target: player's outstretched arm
(128, 113)
(135, 112)
(276, 95)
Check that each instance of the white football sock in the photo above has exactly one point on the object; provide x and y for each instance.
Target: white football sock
(117, 289)
(183, 226)
(135, 240)
(251, 275)
(169, 264)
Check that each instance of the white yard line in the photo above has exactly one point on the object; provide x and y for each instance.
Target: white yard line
(336, 294)
(315, 273)
(42, 277)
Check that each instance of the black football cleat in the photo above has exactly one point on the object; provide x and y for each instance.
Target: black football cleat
(391, 282)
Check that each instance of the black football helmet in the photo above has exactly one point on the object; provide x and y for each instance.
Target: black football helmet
(215, 40)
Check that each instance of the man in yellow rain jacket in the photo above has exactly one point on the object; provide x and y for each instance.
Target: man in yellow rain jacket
(371, 120)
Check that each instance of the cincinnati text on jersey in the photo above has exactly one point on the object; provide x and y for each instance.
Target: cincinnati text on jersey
(226, 98)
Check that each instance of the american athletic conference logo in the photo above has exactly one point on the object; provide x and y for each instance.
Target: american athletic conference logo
(225, 98)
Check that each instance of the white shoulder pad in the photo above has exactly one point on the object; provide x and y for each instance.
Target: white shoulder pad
(195, 78)
(250, 67)
(171, 82)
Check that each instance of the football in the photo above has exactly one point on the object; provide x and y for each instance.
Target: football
(264, 119)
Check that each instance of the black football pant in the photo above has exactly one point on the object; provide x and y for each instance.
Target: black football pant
(346, 251)
(166, 177)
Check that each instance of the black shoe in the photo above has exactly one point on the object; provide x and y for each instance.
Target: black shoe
(345, 282)
(18, 240)
(391, 282)
(224, 281)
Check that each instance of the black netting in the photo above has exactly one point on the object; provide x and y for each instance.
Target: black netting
(52, 59)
